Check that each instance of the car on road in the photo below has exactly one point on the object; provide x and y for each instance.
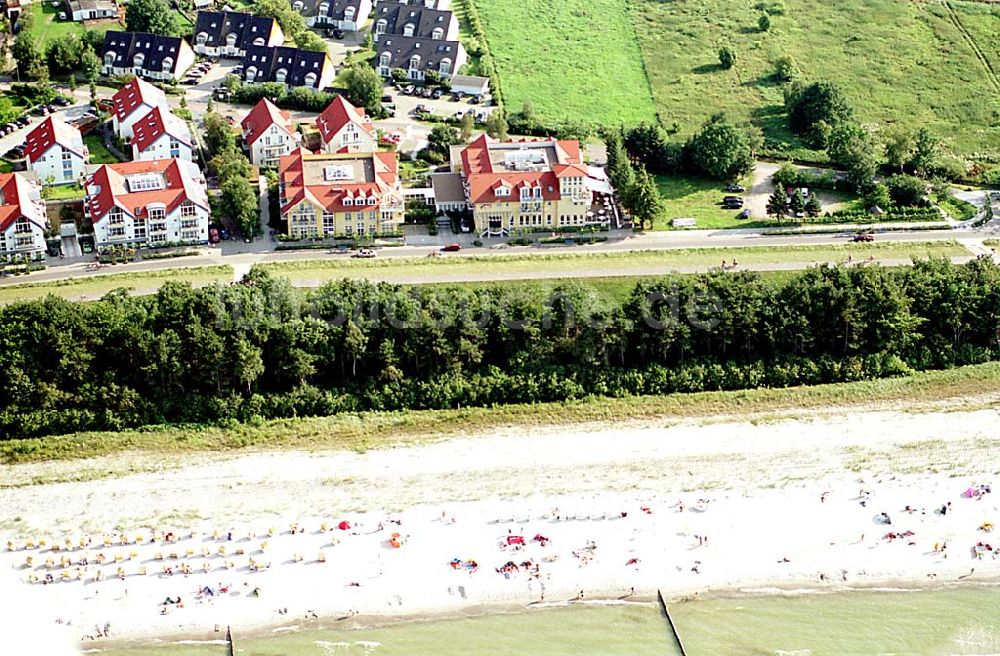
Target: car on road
(427, 92)
(23, 120)
(365, 253)
(61, 101)
(190, 80)
(387, 98)
(213, 235)
(735, 188)
(863, 236)
(451, 248)
(335, 34)
(474, 100)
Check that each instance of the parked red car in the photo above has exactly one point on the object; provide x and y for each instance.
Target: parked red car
(213, 235)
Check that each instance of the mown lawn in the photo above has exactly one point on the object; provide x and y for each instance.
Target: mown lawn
(91, 286)
(63, 191)
(489, 268)
(699, 199)
(48, 27)
(99, 154)
(899, 62)
(575, 60)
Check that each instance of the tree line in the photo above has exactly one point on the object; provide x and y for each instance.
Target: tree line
(261, 349)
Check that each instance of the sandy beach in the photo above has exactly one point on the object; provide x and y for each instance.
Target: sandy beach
(271, 541)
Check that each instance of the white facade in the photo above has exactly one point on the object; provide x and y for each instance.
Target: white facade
(58, 165)
(351, 138)
(187, 223)
(101, 10)
(165, 147)
(274, 143)
(124, 128)
(22, 238)
(352, 20)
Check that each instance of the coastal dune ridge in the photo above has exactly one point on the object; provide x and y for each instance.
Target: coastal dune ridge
(508, 519)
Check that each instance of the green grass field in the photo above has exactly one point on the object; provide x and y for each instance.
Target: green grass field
(63, 191)
(371, 430)
(75, 288)
(99, 154)
(48, 27)
(899, 62)
(574, 60)
(698, 198)
(308, 273)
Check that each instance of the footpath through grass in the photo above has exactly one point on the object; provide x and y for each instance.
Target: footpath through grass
(606, 263)
(575, 60)
(371, 430)
(900, 62)
(90, 286)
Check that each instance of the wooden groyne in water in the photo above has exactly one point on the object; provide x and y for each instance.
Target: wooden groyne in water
(670, 623)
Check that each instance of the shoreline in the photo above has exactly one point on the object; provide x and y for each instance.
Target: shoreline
(366, 622)
(495, 522)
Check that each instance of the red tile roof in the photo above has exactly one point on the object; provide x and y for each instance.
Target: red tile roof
(338, 114)
(263, 115)
(16, 191)
(133, 95)
(108, 188)
(155, 124)
(484, 180)
(331, 195)
(50, 132)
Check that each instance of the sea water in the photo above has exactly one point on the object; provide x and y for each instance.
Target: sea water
(962, 620)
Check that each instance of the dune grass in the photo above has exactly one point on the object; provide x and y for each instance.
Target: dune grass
(371, 430)
(574, 60)
(90, 286)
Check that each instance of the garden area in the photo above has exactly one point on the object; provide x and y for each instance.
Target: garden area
(99, 154)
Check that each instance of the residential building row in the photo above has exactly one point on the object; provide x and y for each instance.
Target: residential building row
(256, 40)
(417, 38)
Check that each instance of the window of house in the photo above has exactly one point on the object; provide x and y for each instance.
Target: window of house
(188, 209)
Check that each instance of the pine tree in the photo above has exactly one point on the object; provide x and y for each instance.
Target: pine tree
(777, 204)
(797, 205)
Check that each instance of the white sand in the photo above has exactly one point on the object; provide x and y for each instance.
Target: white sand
(762, 485)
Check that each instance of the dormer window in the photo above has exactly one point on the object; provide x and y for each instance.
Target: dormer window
(408, 29)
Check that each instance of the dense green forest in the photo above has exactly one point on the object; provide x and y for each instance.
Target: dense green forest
(261, 349)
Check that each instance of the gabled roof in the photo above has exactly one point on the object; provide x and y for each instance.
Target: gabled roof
(336, 9)
(338, 114)
(158, 122)
(248, 28)
(303, 175)
(423, 19)
(154, 48)
(488, 164)
(50, 132)
(296, 62)
(263, 115)
(137, 94)
(20, 197)
(109, 187)
(431, 51)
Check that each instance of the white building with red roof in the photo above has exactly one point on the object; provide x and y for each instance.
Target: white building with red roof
(55, 152)
(161, 135)
(344, 128)
(22, 217)
(148, 203)
(268, 133)
(133, 102)
(342, 194)
(514, 185)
